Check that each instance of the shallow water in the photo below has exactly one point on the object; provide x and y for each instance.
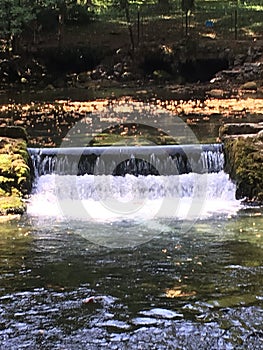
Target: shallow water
(199, 288)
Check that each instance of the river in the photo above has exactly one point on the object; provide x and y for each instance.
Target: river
(69, 284)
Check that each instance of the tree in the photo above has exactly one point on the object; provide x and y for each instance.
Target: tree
(14, 14)
(124, 4)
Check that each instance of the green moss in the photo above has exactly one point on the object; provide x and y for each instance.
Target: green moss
(5, 164)
(15, 175)
(12, 204)
(244, 159)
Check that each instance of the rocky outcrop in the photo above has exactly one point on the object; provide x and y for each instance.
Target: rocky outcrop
(244, 158)
(245, 71)
(15, 171)
(233, 130)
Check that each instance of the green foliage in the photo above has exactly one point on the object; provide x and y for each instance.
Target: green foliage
(79, 14)
(14, 14)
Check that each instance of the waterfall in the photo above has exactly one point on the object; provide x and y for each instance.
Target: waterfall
(182, 182)
(143, 160)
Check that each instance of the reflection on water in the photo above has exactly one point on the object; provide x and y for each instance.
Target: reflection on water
(201, 289)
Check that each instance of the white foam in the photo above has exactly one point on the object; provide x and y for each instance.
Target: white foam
(106, 198)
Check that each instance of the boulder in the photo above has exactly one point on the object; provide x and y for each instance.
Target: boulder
(250, 85)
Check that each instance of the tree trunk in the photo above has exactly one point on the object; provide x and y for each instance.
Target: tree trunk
(61, 21)
(128, 19)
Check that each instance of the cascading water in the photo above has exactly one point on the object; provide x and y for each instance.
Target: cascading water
(82, 183)
(143, 160)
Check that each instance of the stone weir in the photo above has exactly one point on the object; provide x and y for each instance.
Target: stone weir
(135, 160)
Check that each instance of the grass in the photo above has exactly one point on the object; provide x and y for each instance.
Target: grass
(221, 12)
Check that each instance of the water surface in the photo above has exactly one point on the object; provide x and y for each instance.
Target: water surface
(194, 289)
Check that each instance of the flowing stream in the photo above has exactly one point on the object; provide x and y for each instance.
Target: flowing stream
(135, 261)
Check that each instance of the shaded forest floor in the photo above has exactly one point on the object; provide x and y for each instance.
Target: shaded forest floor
(98, 55)
(95, 63)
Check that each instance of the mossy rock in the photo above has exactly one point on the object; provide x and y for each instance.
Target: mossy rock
(15, 175)
(12, 204)
(14, 165)
(244, 159)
